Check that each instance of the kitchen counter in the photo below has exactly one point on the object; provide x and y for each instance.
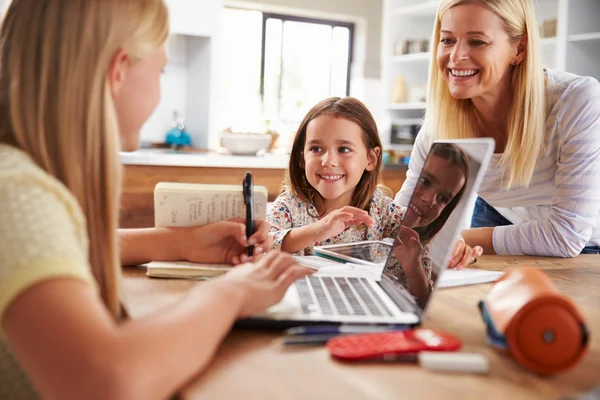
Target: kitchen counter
(171, 158)
(144, 168)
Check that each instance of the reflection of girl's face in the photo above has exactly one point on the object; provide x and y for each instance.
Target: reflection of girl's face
(438, 184)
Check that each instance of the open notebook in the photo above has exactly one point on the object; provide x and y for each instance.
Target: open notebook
(184, 270)
(187, 270)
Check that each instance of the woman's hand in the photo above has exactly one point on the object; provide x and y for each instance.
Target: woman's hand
(225, 242)
(408, 249)
(264, 283)
(463, 255)
(339, 220)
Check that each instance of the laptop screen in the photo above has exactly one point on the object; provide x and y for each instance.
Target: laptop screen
(439, 208)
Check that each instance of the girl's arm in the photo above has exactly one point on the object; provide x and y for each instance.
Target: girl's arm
(414, 260)
(70, 346)
(298, 239)
(293, 239)
(282, 222)
(418, 283)
(331, 225)
(226, 240)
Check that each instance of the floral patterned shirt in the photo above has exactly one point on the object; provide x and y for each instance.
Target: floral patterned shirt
(288, 212)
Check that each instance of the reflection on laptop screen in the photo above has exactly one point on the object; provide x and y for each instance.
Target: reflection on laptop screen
(436, 213)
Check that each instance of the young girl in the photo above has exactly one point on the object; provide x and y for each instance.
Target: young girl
(76, 78)
(434, 198)
(330, 192)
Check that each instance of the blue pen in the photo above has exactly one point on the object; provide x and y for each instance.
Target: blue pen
(248, 188)
(341, 329)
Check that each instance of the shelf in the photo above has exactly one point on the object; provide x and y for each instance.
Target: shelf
(424, 9)
(549, 41)
(407, 106)
(411, 57)
(400, 147)
(584, 37)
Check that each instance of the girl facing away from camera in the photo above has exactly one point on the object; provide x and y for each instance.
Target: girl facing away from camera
(78, 78)
(331, 192)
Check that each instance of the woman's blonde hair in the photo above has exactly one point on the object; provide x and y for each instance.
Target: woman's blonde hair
(450, 118)
(56, 103)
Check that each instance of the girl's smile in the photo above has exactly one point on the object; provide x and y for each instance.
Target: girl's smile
(335, 159)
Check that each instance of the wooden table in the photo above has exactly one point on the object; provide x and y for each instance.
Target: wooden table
(255, 365)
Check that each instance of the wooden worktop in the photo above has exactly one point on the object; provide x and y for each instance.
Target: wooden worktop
(255, 365)
(137, 199)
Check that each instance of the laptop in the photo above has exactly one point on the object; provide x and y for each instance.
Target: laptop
(355, 300)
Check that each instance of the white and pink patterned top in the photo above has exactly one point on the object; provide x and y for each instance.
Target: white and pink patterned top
(288, 212)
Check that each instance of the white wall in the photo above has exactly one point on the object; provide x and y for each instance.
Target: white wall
(173, 83)
(186, 84)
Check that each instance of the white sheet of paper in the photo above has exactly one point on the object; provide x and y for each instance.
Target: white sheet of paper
(449, 278)
(467, 276)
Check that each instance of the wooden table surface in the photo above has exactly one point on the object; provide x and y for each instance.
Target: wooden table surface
(255, 365)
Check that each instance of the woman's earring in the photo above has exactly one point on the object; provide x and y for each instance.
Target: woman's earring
(515, 62)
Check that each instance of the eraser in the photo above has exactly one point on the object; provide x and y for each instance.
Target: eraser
(454, 362)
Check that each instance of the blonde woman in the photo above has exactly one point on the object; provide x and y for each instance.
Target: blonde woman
(78, 78)
(541, 194)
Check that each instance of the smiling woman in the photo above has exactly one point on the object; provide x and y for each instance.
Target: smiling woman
(541, 195)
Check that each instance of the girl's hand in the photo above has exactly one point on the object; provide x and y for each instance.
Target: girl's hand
(408, 249)
(463, 255)
(225, 242)
(264, 283)
(339, 220)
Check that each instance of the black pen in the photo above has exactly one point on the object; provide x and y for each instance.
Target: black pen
(342, 329)
(248, 189)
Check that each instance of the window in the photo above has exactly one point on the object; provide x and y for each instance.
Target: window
(276, 67)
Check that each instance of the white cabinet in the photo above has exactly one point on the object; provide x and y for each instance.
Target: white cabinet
(194, 17)
(575, 48)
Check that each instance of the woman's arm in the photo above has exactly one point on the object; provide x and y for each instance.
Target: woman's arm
(480, 237)
(418, 156)
(70, 346)
(576, 194)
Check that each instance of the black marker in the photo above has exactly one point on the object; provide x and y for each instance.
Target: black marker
(248, 188)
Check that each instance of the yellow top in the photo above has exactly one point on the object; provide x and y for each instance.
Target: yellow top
(42, 236)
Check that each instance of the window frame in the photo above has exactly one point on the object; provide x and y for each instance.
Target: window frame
(284, 18)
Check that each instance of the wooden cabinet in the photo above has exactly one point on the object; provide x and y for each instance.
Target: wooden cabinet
(137, 201)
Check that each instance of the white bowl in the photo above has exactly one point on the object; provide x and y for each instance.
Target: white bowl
(245, 143)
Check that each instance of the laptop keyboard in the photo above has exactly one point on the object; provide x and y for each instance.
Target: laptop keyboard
(339, 296)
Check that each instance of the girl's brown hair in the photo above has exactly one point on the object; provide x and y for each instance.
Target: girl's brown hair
(353, 110)
(456, 157)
